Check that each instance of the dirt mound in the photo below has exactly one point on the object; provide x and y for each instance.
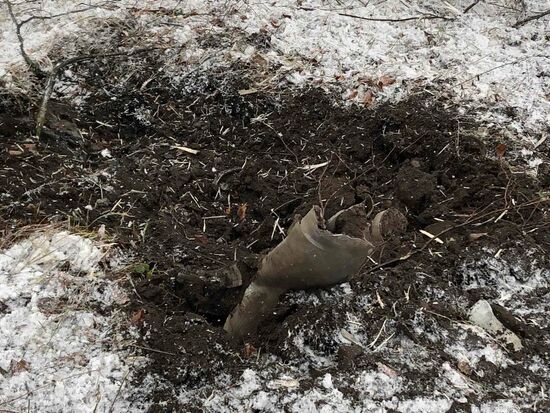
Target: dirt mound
(193, 182)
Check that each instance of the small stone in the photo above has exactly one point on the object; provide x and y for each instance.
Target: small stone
(481, 314)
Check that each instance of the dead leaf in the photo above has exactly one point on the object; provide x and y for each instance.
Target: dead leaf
(241, 211)
(477, 235)
(249, 350)
(464, 367)
(275, 23)
(259, 60)
(501, 150)
(385, 80)
(18, 366)
(138, 316)
(349, 337)
(48, 305)
(366, 80)
(368, 98)
(31, 147)
(352, 94)
(76, 358)
(14, 152)
(287, 382)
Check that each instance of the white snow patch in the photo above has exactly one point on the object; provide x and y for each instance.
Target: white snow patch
(497, 406)
(477, 58)
(478, 55)
(56, 352)
(424, 405)
(511, 275)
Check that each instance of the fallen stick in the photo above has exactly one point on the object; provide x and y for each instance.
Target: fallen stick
(531, 18)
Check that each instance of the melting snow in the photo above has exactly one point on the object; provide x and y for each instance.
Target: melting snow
(57, 353)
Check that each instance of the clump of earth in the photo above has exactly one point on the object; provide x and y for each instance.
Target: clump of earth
(213, 178)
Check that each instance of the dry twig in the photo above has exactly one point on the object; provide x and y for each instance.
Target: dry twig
(387, 19)
(35, 67)
(471, 6)
(520, 23)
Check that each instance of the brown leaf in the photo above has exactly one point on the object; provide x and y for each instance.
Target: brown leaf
(368, 98)
(385, 80)
(138, 316)
(259, 60)
(241, 212)
(76, 358)
(249, 350)
(464, 367)
(30, 147)
(352, 94)
(14, 152)
(18, 366)
(501, 150)
(366, 80)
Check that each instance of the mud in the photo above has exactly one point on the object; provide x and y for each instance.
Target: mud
(189, 217)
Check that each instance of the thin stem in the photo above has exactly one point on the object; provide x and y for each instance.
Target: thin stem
(531, 18)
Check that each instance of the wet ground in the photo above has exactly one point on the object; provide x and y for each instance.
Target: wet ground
(194, 177)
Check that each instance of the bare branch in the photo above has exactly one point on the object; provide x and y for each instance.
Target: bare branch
(384, 19)
(531, 18)
(54, 16)
(35, 67)
(471, 6)
(513, 62)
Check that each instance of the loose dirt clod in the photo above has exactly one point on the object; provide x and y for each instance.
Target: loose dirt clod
(414, 187)
(153, 201)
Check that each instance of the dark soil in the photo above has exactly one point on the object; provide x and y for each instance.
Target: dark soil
(117, 162)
